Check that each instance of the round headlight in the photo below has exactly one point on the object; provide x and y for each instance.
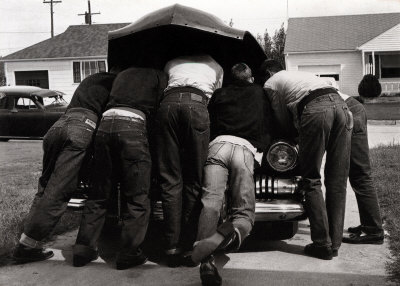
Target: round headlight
(282, 156)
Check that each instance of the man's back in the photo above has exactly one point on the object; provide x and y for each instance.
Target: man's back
(239, 110)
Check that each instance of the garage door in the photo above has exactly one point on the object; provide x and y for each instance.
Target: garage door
(33, 78)
(323, 71)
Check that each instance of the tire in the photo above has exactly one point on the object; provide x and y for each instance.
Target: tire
(275, 230)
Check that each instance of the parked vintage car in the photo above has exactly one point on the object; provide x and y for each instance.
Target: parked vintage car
(27, 112)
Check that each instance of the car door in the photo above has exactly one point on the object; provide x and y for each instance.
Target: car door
(26, 118)
(5, 115)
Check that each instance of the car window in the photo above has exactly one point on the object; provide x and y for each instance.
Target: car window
(54, 101)
(25, 103)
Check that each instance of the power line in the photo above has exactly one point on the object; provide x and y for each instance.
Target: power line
(51, 2)
(88, 15)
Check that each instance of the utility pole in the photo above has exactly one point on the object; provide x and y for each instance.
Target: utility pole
(88, 15)
(51, 14)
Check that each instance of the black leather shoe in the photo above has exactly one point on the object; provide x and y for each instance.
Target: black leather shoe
(174, 260)
(186, 260)
(363, 238)
(125, 261)
(355, 229)
(80, 260)
(23, 254)
(209, 273)
(335, 252)
(322, 252)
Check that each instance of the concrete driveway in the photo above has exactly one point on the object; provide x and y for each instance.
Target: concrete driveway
(260, 263)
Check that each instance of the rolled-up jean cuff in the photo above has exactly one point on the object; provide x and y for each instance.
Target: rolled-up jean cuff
(83, 250)
(173, 251)
(30, 242)
(226, 229)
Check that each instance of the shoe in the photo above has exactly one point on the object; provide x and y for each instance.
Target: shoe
(363, 238)
(23, 254)
(209, 273)
(355, 229)
(174, 260)
(335, 252)
(81, 260)
(234, 244)
(322, 252)
(125, 261)
(186, 260)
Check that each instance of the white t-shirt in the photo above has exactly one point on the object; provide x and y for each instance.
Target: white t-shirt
(200, 71)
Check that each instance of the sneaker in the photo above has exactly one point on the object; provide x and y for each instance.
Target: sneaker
(125, 261)
(23, 254)
(174, 260)
(322, 252)
(363, 238)
(209, 273)
(81, 260)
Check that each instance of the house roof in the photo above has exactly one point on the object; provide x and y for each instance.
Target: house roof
(336, 32)
(76, 41)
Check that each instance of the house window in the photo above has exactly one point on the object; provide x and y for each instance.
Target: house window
(390, 66)
(334, 75)
(83, 69)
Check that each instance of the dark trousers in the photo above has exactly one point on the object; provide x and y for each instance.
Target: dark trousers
(64, 146)
(182, 137)
(325, 125)
(360, 171)
(121, 155)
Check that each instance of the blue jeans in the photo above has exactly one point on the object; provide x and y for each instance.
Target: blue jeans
(360, 171)
(182, 136)
(228, 166)
(121, 155)
(325, 125)
(65, 146)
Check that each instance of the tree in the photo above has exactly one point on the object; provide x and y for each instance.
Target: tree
(279, 45)
(274, 47)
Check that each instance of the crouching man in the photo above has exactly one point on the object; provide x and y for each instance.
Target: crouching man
(238, 127)
(122, 155)
(65, 146)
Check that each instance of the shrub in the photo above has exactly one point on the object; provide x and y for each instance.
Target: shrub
(369, 86)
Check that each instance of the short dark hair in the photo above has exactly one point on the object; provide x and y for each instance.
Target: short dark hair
(270, 66)
(241, 71)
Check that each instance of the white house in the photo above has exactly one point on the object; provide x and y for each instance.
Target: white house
(346, 48)
(62, 62)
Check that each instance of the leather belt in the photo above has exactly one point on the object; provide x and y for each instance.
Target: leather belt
(311, 96)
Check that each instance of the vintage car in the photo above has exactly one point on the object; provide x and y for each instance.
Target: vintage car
(175, 30)
(27, 112)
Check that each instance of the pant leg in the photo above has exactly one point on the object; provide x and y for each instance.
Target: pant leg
(314, 130)
(360, 171)
(135, 184)
(62, 182)
(214, 186)
(241, 185)
(195, 145)
(336, 171)
(95, 209)
(170, 173)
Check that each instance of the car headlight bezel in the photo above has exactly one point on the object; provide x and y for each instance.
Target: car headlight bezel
(282, 156)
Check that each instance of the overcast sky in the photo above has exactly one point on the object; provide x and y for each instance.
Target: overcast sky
(26, 22)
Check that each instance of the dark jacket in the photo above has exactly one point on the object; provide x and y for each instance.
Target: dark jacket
(242, 110)
(93, 92)
(139, 88)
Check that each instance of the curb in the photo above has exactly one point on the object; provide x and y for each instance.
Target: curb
(384, 122)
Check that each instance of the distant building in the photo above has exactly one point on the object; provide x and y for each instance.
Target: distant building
(346, 48)
(62, 62)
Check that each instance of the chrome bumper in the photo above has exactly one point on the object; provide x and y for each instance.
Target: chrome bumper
(279, 210)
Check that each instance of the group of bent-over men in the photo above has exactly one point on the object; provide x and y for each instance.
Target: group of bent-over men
(205, 139)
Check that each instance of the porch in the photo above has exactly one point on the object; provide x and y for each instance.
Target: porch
(386, 66)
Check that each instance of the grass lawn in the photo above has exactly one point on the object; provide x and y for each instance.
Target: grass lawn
(386, 172)
(20, 168)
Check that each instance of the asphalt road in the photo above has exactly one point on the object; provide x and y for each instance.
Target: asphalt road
(260, 263)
